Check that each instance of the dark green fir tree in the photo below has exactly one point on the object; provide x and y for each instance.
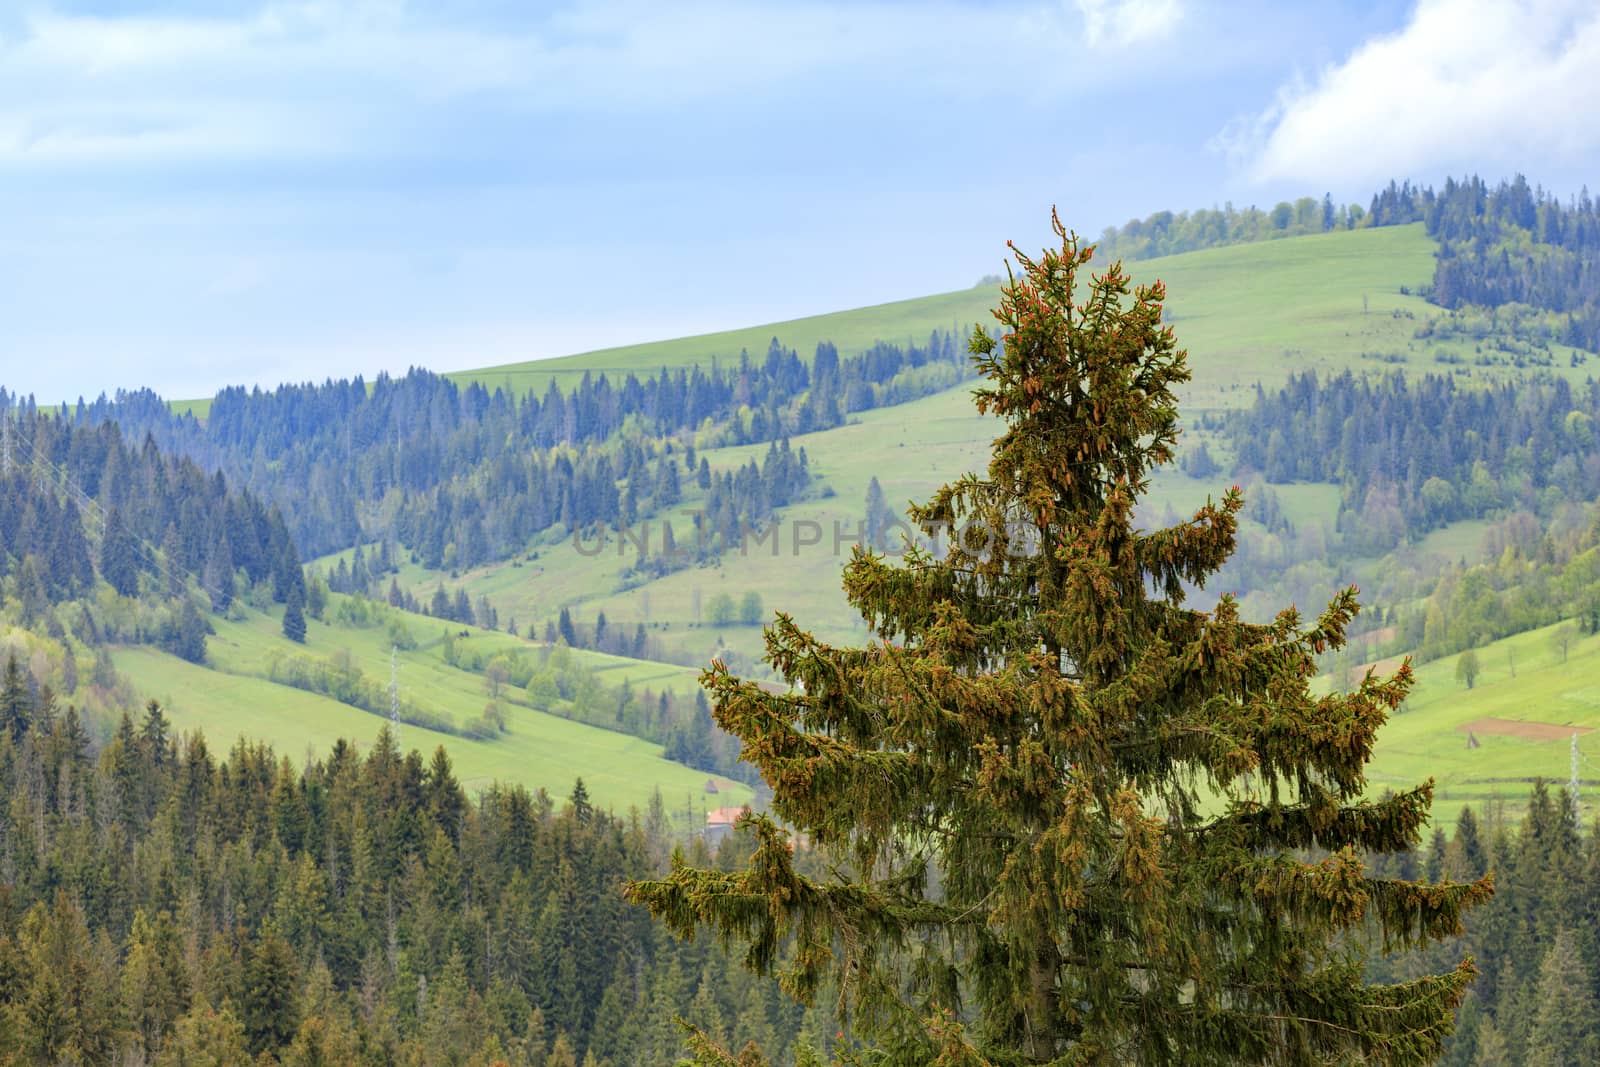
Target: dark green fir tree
(1072, 820)
(70, 563)
(190, 632)
(16, 698)
(294, 617)
(119, 555)
(268, 998)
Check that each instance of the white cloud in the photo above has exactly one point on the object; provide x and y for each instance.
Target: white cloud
(1485, 84)
(303, 78)
(1118, 23)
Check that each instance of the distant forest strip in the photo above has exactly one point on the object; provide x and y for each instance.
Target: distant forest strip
(1509, 244)
(1411, 455)
(1168, 233)
(441, 465)
(130, 535)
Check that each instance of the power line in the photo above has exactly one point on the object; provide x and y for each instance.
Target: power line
(91, 509)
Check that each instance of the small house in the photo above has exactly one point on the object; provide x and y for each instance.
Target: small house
(719, 824)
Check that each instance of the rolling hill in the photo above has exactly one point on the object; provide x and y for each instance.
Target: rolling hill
(1488, 743)
(232, 696)
(1248, 314)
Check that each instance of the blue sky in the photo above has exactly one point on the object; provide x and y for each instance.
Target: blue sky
(204, 192)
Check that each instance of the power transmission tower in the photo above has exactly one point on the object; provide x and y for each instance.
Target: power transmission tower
(1572, 786)
(394, 690)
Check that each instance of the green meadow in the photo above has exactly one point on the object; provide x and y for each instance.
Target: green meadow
(1524, 679)
(232, 696)
(1246, 314)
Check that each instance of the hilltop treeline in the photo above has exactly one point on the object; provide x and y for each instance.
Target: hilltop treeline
(467, 522)
(345, 460)
(1537, 998)
(159, 905)
(1533, 573)
(1508, 244)
(1167, 233)
(80, 505)
(1413, 455)
(1504, 245)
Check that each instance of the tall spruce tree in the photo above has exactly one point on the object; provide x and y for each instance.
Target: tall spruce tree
(1562, 1026)
(294, 618)
(119, 555)
(878, 517)
(189, 634)
(218, 577)
(1074, 821)
(16, 698)
(70, 564)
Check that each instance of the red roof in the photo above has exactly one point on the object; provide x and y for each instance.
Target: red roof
(724, 816)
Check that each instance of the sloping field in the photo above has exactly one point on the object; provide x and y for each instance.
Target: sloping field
(1245, 312)
(233, 697)
(1528, 731)
(1533, 714)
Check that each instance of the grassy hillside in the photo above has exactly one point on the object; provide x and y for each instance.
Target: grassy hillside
(852, 331)
(1246, 312)
(911, 448)
(232, 697)
(1429, 738)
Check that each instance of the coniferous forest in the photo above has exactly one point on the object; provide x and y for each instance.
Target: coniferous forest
(420, 459)
(162, 903)
(1413, 454)
(1533, 1001)
(611, 534)
(128, 544)
(1077, 806)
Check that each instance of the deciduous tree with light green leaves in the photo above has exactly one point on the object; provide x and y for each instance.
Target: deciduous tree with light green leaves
(1071, 819)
